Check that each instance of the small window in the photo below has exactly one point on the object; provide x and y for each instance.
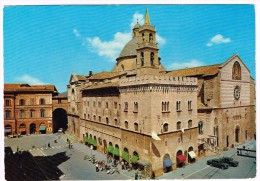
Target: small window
(42, 101)
(107, 120)
(59, 101)
(165, 127)
(99, 104)
(189, 123)
(150, 37)
(8, 114)
(136, 126)
(22, 102)
(94, 117)
(8, 102)
(22, 113)
(142, 59)
(126, 125)
(115, 105)
(126, 106)
(116, 122)
(135, 107)
(178, 106)
(42, 113)
(106, 104)
(32, 113)
(152, 59)
(200, 126)
(189, 105)
(99, 118)
(165, 106)
(178, 125)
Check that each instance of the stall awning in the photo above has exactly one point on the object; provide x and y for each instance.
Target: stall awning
(94, 142)
(167, 163)
(125, 156)
(86, 139)
(134, 159)
(181, 158)
(91, 141)
(110, 149)
(192, 154)
(8, 130)
(42, 128)
(116, 152)
(155, 136)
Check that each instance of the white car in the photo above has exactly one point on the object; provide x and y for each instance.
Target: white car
(60, 130)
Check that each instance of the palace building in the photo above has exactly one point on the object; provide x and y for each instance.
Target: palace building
(33, 109)
(157, 119)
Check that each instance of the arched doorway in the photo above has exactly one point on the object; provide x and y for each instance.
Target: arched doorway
(167, 163)
(32, 128)
(8, 129)
(42, 128)
(22, 129)
(180, 158)
(191, 155)
(116, 152)
(60, 119)
(110, 150)
(134, 159)
(237, 134)
(125, 155)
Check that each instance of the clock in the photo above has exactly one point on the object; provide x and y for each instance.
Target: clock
(237, 92)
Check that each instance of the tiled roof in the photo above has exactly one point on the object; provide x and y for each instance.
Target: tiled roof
(103, 75)
(130, 48)
(81, 77)
(204, 70)
(27, 87)
(102, 85)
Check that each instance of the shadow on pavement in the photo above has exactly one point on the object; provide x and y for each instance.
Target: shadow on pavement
(23, 166)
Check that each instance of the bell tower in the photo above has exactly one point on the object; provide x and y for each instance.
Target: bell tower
(147, 51)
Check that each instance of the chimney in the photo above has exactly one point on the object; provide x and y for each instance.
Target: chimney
(90, 73)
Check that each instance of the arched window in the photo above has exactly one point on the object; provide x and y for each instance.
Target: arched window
(99, 118)
(135, 107)
(94, 117)
(42, 113)
(126, 106)
(107, 120)
(42, 101)
(32, 113)
(150, 37)
(237, 134)
(152, 58)
(116, 122)
(22, 102)
(200, 126)
(236, 71)
(142, 58)
(136, 126)
(165, 127)
(143, 37)
(189, 123)
(126, 125)
(178, 125)
(123, 68)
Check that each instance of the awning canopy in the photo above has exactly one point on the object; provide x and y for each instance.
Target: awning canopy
(125, 156)
(42, 128)
(155, 136)
(116, 152)
(86, 139)
(167, 163)
(94, 143)
(110, 149)
(181, 158)
(192, 154)
(134, 158)
(91, 141)
(8, 130)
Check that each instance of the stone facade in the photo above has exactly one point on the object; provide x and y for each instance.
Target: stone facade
(28, 109)
(154, 115)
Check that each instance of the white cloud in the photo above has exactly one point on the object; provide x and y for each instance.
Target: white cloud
(137, 17)
(186, 64)
(76, 32)
(218, 39)
(29, 80)
(111, 49)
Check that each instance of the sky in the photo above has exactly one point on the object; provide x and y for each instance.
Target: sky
(45, 44)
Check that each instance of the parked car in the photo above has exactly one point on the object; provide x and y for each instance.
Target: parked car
(60, 130)
(218, 163)
(230, 161)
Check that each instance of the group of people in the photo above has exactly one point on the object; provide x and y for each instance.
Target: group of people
(126, 165)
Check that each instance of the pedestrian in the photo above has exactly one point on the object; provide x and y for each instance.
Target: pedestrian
(67, 140)
(123, 165)
(136, 176)
(17, 148)
(49, 145)
(97, 167)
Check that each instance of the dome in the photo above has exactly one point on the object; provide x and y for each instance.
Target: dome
(137, 25)
(130, 48)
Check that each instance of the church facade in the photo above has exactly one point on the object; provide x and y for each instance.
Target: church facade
(157, 119)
